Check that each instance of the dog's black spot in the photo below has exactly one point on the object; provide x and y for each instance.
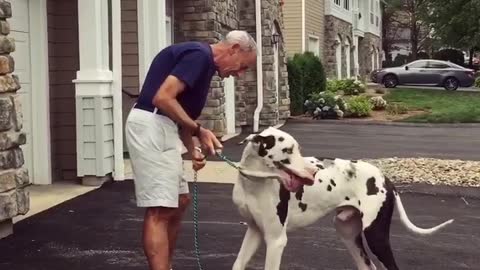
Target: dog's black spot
(351, 174)
(288, 150)
(299, 194)
(361, 214)
(302, 206)
(372, 189)
(282, 206)
(354, 161)
(320, 180)
(285, 161)
(347, 198)
(266, 143)
(329, 188)
(383, 191)
(320, 166)
(333, 183)
(311, 161)
(359, 203)
(281, 139)
(270, 156)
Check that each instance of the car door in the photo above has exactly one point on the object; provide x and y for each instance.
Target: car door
(436, 72)
(414, 72)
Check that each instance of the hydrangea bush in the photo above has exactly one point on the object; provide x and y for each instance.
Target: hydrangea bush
(325, 105)
(378, 103)
(347, 86)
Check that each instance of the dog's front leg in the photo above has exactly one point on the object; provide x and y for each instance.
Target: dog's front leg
(250, 244)
(275, 245)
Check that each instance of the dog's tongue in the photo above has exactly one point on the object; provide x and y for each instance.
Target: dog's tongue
(294, 183)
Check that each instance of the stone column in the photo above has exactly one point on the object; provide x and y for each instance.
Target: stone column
(14, 199)
(93, 93)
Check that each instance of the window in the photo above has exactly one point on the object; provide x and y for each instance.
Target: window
(437, 65)
(418, 64)
(346, 4)
(314, 45)
(337, 2)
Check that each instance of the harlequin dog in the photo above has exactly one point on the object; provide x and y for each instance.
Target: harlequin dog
(279, 190)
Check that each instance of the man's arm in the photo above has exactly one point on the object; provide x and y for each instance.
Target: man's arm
(166, 100)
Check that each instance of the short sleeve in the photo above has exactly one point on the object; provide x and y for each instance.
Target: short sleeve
(191, 67)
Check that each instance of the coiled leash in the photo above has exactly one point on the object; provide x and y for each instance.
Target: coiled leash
(195, 207)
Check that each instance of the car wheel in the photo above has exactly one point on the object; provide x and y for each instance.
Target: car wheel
(451, 84)
(390, 81)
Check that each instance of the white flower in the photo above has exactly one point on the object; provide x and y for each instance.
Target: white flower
(336, 108)
(325, 108)
(362, 85)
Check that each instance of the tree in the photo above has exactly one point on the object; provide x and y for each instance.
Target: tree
(459, 29)
(404, 19)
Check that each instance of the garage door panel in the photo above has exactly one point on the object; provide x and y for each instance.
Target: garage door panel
(19, 20)
(20, 32)
(22, 56)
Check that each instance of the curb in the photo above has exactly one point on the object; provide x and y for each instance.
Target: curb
(436, 190)
(383, 123)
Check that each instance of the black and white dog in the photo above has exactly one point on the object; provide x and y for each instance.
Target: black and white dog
(279, 190)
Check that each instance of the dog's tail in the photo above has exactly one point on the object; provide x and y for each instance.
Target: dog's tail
(406, 221)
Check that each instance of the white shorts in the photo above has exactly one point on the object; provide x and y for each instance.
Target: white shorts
(155, 151)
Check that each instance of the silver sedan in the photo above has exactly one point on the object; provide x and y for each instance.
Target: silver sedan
(426, 72)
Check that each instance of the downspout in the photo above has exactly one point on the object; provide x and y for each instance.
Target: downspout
(258, 24)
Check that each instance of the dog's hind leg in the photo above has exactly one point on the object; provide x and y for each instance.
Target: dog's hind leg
(377, 234)
(348, 224)
(250, 244)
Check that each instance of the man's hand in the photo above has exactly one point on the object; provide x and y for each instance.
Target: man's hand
(198, 159)
(209, 141)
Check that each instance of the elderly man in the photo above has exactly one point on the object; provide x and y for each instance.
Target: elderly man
(162, 123)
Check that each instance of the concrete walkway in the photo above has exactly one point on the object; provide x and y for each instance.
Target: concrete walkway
(102, 230)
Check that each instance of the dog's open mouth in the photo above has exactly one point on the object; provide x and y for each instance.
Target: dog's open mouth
(294, 179)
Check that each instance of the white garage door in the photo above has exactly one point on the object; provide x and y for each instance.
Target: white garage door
(20, 31)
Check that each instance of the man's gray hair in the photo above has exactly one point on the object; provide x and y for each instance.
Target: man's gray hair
(243, 38)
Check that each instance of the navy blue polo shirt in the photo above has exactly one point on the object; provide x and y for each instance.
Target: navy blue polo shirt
(190, 62)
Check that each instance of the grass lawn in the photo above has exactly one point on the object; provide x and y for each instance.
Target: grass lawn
(441, 106)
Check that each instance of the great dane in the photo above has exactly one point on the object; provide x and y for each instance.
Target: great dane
(279, 190)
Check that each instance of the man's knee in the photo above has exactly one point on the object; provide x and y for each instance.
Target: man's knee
(159, 214)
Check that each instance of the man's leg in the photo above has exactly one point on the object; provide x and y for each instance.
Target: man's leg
(156, 236)
(174, 224)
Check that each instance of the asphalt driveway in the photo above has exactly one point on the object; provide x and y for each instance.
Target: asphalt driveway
(102, 229)
(359, 140)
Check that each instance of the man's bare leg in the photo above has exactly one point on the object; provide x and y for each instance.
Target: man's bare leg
(155, 237)
(174, 224)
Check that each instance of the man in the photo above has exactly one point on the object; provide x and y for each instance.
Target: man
(163, 121)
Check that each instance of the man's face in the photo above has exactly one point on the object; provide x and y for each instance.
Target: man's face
(235, 61)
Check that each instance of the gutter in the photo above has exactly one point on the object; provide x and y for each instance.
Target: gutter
(258, 26)
(303, 27)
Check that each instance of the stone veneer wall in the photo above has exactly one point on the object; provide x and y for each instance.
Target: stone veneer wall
(365, 52)
(207, 21)
(14, 199)
(333, 28)
(246, 103)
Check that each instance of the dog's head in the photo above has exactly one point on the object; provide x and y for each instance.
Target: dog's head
(276, 154)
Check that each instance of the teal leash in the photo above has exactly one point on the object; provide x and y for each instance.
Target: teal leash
(195, 207)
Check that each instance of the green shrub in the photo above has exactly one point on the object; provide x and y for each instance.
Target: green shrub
(396, 108)
(452, 55)
(477, 82)
(359, 106)
(305, 76)
(325, 105)
(347, 86)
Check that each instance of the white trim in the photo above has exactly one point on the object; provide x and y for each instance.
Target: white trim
(41, 137)
(119, 166)
(348, 58)
(303, 27)
(318, 39)
(151, 34)
(258, 25)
